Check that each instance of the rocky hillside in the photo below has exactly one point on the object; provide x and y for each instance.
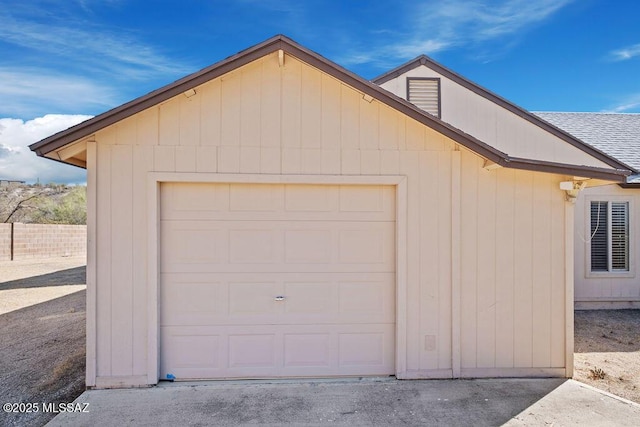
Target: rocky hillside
(43, 204)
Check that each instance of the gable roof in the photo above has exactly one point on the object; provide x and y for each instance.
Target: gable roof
(617, 134)
(559, 132)
(280, 42)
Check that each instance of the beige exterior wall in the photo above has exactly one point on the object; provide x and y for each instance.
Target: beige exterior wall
(513, 309)
(606, 290)
(493, 124)
(484, 282)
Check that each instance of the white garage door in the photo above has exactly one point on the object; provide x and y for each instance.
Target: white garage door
(262, 281)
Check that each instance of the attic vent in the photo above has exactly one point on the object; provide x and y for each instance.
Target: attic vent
(424, 93)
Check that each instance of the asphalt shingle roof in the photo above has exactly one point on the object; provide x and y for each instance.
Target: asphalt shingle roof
(615, 134)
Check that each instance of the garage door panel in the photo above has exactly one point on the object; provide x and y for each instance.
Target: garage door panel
(189, 201)
(253, 298)
(304, 350)
(369, 299)
(183, 302)
(317, 299)
(206, 356)
(252, 350)
(283, 246)
(332, 216)
(357, 198)
(284, 350)
(346, 344)
(277, 280)
(308, 246)
(192, 200)
(367, 244)
(310, 198)
(255, 198)
(185, 244)
(188, 245)
(361, 348)
(193, 299)
(302, 268)
(254, 246)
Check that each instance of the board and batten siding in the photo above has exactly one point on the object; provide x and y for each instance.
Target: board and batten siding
(488, 121)
(603, 290)
(485, 291)
(512, 270)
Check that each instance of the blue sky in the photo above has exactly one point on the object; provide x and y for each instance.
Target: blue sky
(64, 60)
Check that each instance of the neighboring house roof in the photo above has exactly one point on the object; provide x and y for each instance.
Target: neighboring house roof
(91, 126)
(616, 134)
(559, 132)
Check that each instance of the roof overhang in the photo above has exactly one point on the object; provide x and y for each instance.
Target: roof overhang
(74, 153)
(66, 146)
(630, 185)
(565, 136)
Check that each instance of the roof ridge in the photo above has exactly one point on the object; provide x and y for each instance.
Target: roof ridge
(313, 59)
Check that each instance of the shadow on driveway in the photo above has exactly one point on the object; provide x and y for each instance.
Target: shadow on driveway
(70, 276)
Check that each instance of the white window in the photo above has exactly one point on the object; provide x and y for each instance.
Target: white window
(609, 237)
(424, 93)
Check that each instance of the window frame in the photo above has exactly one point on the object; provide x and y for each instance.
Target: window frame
(631, 232)
(439, 84)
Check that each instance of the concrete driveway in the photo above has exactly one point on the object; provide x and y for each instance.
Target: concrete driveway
(356, 402)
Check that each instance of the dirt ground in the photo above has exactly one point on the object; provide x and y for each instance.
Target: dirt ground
(47, 279)
(42, 346)
(607, 351)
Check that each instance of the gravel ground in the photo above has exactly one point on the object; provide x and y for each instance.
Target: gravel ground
(42, 346)
(607, 351)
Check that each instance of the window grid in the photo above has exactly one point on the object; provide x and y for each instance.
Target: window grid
(609, 236)
(619, 236)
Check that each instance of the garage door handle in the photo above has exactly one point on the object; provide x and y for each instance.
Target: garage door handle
(279, 298)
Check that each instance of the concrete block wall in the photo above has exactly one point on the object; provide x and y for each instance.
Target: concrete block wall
(5, 242)
(32, 241)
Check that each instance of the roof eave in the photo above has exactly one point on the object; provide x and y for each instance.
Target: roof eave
(89, 127)
(497, 99)
(629, 185)
(151, 99)
(110, 117)
(614, 175)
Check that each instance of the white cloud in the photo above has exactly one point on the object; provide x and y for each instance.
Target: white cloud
(20, 163)
(447, 23)
(630, 104)
(436, 26)
(417, 47)
(27, 91)
(59, 62)
(387, 56)
(625, 53)
(117, 53)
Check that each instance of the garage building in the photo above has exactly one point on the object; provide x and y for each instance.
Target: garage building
(275, 215)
